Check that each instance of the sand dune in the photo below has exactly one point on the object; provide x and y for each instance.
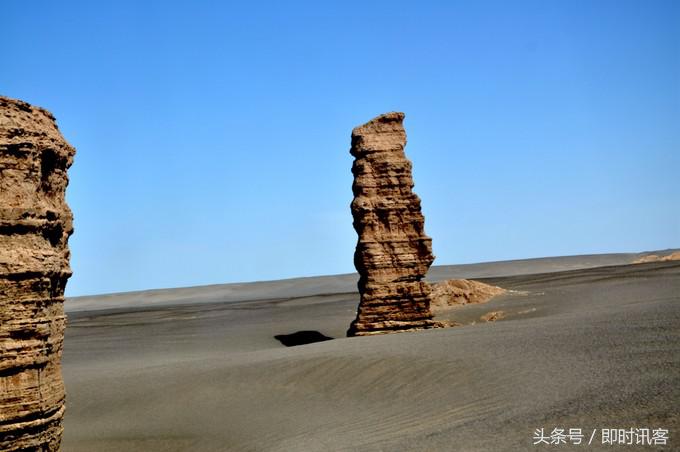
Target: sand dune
(595, 347)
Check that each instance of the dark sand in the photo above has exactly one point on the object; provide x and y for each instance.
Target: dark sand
(200, 369)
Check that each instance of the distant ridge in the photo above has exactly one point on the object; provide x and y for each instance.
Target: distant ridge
(334, 284)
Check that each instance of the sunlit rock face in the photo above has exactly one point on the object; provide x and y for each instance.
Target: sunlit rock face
(35, 224)
(393, 253)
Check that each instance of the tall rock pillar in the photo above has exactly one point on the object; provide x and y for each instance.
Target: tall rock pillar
(35, 224)
(393, 253)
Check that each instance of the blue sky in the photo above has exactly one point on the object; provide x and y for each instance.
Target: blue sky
(213, 137)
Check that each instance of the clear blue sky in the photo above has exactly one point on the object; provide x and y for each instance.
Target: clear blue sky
(213, 137)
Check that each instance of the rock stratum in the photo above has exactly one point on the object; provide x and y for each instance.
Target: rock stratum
(393, 253)
(35, 224)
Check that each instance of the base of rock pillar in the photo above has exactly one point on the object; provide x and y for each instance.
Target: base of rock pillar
(372, 329)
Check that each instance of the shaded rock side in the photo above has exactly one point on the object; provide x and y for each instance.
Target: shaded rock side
(35, 224)
(393, 253)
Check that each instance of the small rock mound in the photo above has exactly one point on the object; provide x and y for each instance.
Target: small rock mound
(492, 316)
(458, 292)
(655, 258)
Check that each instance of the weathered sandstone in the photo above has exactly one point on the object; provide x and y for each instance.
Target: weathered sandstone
(35, 224)
(393, 253)
(458, 292)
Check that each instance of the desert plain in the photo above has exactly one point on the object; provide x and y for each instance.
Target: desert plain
(589, 342)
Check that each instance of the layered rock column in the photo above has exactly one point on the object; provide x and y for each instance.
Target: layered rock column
(35, 224)
(393, 253)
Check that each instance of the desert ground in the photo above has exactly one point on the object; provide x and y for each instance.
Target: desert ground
(585, 342)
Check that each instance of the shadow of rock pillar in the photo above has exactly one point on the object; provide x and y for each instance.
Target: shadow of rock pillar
(35, 224)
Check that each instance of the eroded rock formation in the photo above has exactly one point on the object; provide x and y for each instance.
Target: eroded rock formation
(35, 224)
(459, 292)
(393, 253)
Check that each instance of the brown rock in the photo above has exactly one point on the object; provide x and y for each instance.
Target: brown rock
(492, 316)
(457, 292)
(393, 253)
(35, 224)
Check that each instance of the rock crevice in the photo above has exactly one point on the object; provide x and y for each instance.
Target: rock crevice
(35, 223)
(393, 253)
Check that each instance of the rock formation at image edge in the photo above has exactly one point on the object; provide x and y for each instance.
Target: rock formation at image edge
(35, 224)
(393, 253)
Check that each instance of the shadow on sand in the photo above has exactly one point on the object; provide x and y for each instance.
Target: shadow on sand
(301, 338)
